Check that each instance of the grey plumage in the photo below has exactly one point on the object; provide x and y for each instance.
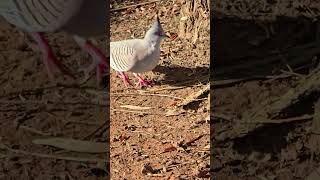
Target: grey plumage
(81, 18)
(39, 15)
(137, 55)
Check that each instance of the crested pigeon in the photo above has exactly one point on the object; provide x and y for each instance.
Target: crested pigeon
(137, 55)
(81, 18)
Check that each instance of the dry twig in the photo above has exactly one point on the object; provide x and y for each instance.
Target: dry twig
(133, 6)
(42, 155)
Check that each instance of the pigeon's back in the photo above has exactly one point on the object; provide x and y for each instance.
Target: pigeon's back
(39, 15)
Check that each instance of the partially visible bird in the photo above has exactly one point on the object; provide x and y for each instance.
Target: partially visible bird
(137, 55)
(81, 18)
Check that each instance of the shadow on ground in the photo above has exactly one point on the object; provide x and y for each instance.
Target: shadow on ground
(250, 48)
(178, 75)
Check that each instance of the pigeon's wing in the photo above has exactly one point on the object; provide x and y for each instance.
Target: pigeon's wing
(39, 15)
(125, 54)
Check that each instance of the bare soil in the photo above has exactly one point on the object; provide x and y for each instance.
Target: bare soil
(146, 141)
(32, 107)
(260, 128)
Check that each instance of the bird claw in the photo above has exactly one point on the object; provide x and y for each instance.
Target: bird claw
(126, 82)
(124, 78)
(145, 83)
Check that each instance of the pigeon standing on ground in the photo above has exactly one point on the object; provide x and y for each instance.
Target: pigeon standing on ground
(81, 18)
(137, 55)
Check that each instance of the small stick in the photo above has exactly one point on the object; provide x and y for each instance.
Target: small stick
(194, 140)
(280, 121)
(98, 129)
(128, 111)
(51, 102)
(292, 73)
(229, 82)
(193, 97)
(94, 160)
(84, 122)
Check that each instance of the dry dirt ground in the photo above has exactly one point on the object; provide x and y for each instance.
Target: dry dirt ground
(146, 141)
(264, 120)
(32, 107)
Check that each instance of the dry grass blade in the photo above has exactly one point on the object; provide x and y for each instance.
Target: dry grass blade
(74, 145)
(269, 110)
(231, 82)
(135, 107)
(128, 111)
(280, 121)
(194, 97)
(42, 155)
(161, 89)
(174, 112)
(132, 6)
(145, 94)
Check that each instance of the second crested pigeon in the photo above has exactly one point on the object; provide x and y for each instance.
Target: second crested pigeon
(137, 55)
(81, 18)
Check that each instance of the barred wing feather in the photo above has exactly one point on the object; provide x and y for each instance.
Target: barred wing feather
(39, 15)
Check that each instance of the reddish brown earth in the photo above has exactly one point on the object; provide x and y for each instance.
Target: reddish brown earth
(175, 147)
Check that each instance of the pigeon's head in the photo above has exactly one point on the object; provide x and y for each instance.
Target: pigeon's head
(156, 33)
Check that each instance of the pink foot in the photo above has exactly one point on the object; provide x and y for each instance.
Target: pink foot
(49, 59)
(143, 82)
(125, 79)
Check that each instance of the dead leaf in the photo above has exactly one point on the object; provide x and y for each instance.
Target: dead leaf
(147, 169)
(123, 137)
(173, 36)
(173, 112)
(169, 149)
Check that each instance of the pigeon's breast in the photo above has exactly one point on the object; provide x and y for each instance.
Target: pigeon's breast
(148, 63)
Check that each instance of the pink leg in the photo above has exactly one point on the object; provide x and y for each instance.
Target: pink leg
(125, 79)
(49, 59)
(100, 59)
(142, 82)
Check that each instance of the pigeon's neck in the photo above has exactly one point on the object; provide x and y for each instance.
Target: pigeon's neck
(152, 42)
